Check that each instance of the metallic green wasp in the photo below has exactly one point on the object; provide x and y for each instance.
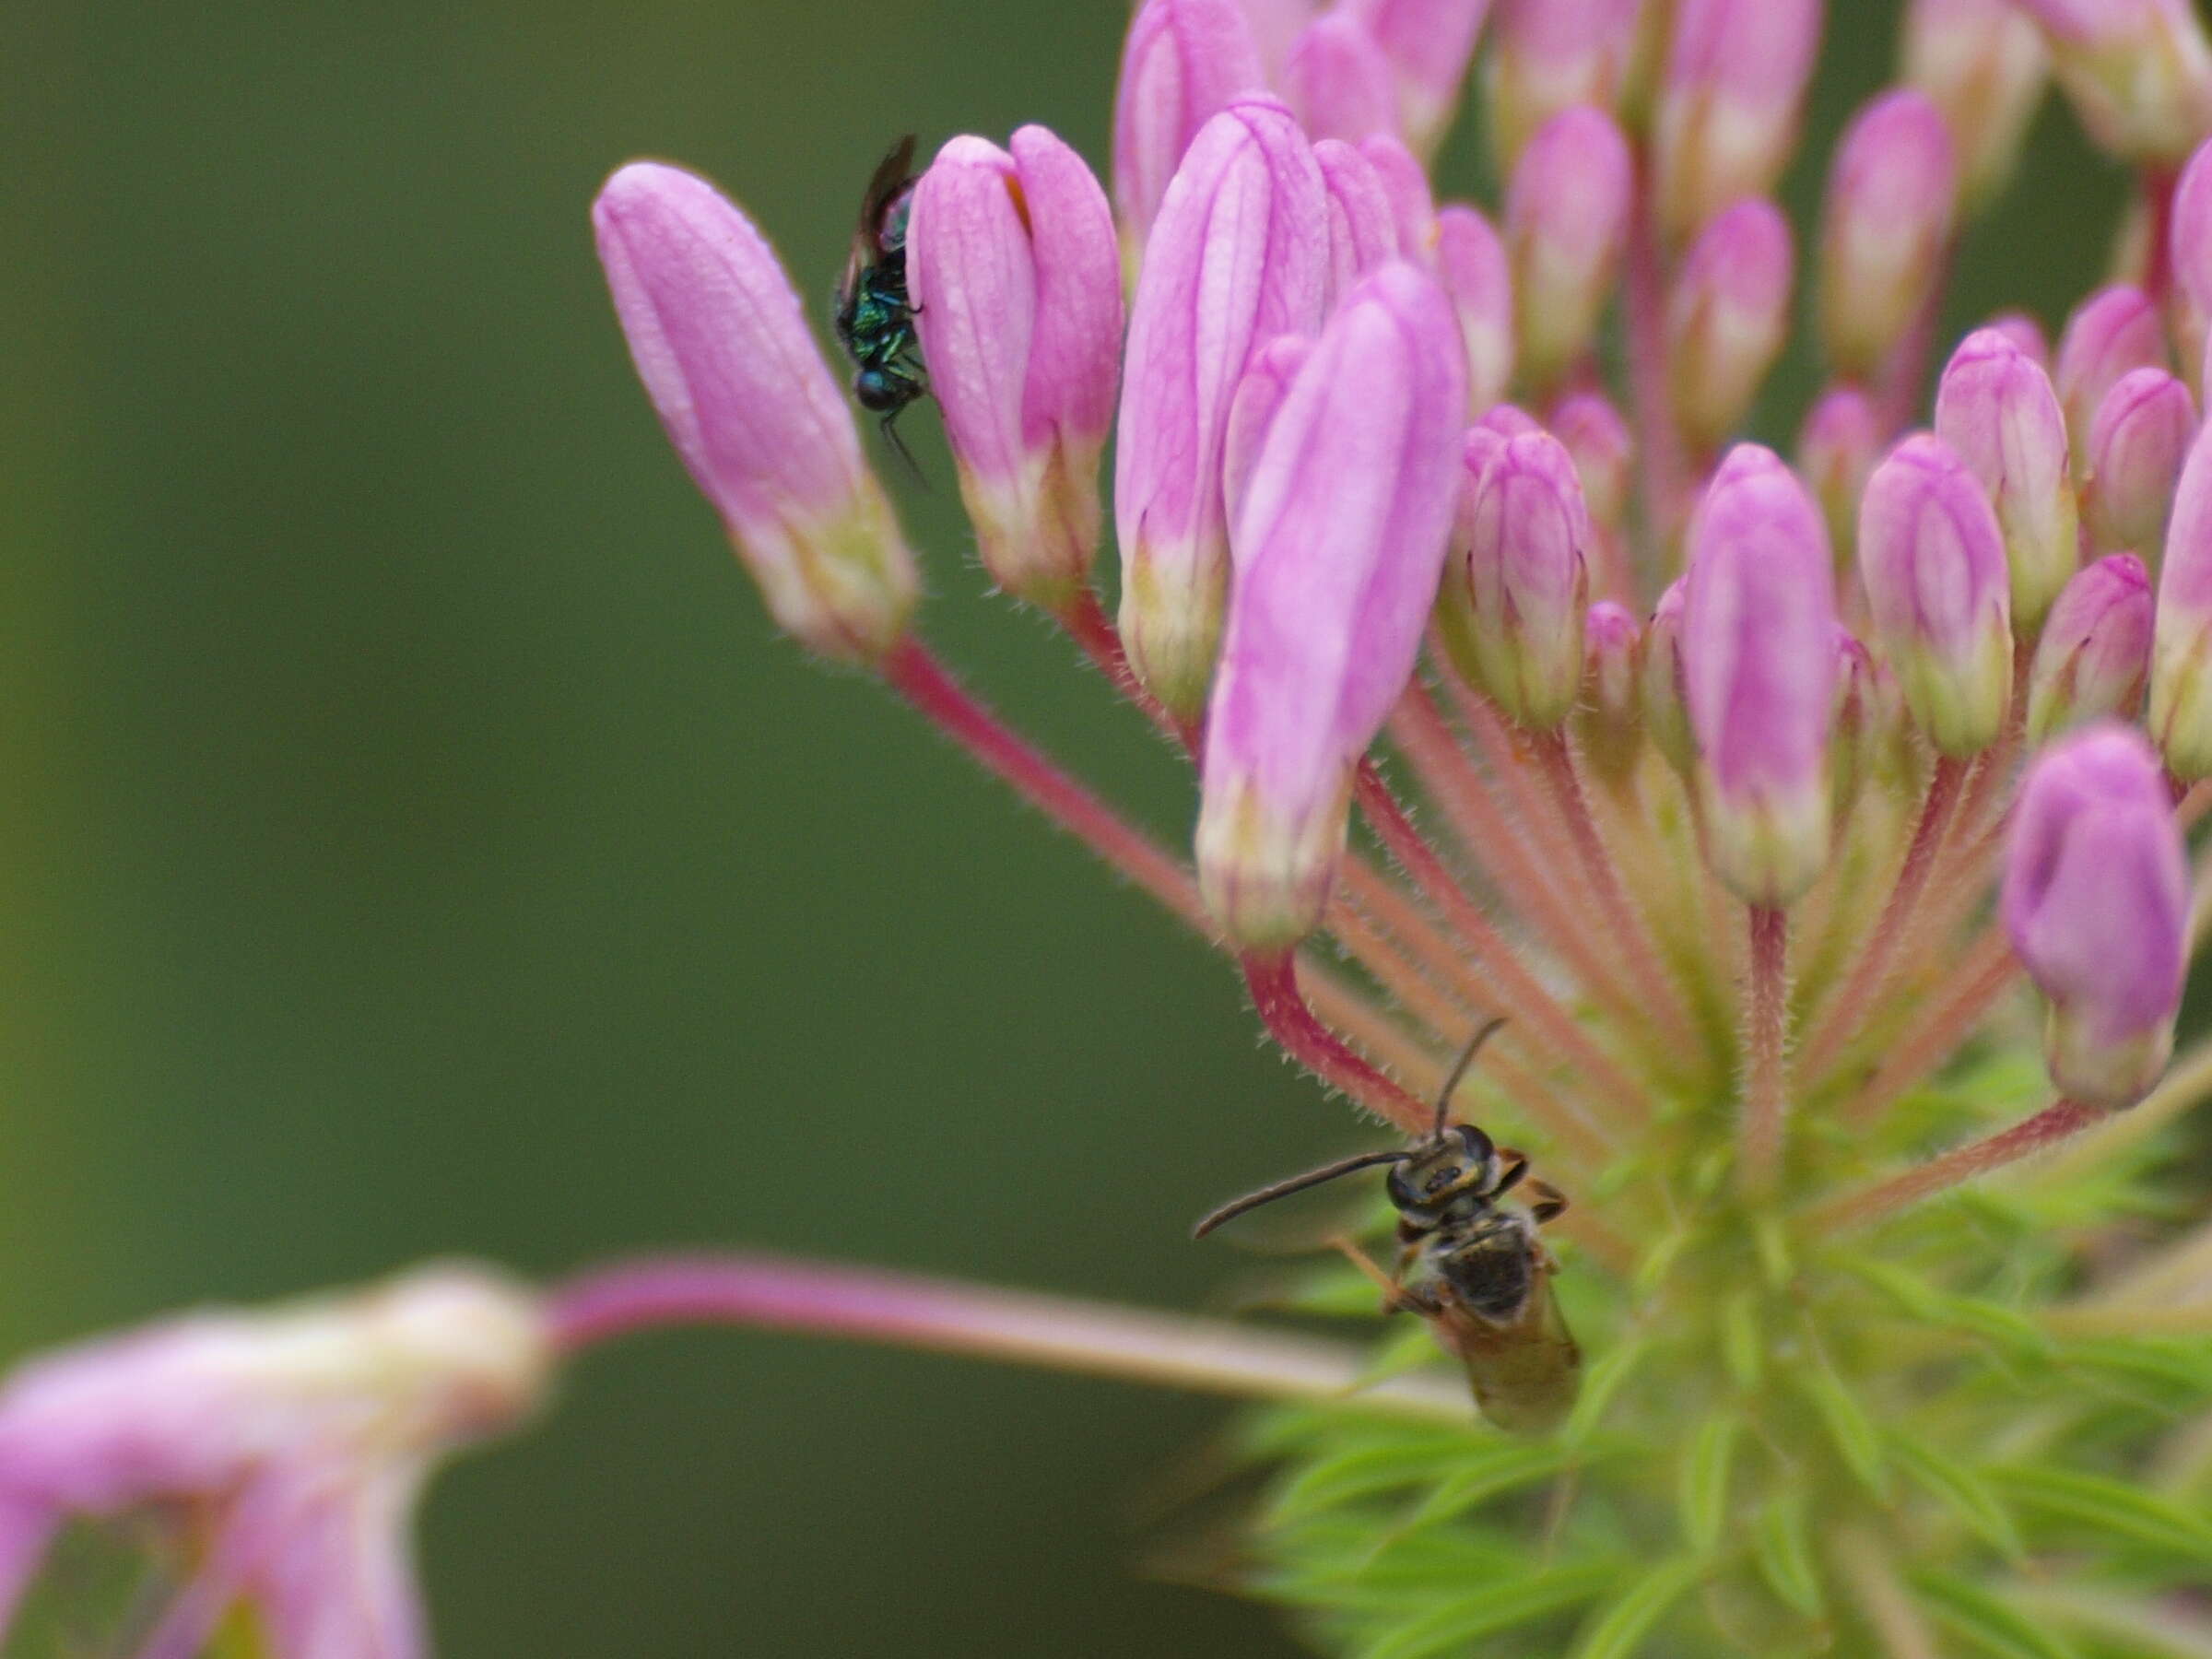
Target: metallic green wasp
(875, 318)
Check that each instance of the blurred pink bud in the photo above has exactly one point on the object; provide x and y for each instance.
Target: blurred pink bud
(2190, 235)
(1726, 317)
(2112, 331)
(2025, 333)
(1836, 448)
(1429, 45)
(1758, 632)
(2181, 651)
(1018, 298)
(1275, 25)
(1983, 63)
(1548, 55)
(1518, 582)
(2136, 444)
(1996, 408)
(2096, 899)
(1238, 256)
(1505, 421)
(1608, 720)
(1338, 80)
(1362, 234)
(1339, 543)
(1885, 230)
(1566, 222)
(1470, 260)
(1932, 559)
(1867, 705)
(1665, 683)
(1259, 394)
(2138, 72)
(282, 1449)
(1727, 109)
(1185, 61)
(723, 349)
(1405, 182)
(1603, 452)
(2095, 653)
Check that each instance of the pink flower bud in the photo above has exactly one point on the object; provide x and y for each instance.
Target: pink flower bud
(1018, 298)
(1185, 61)
(1259, 394)
(723, 349)
(1339, 544)
(1505, 421)
(2112, 331)
(1664, 682)
(1890, 193)
(1727, 110)
(2190, 237)
(1362, 234)
(1429, 45)
(2025, 333)
(1238, 256)
(1759, 630)
(1603, 452)
(2181, 649)
(1608, 720)
(1518, 582)
(2095, 653)
(1338, 80)
(1726, 317)
(1983, 63)
(1996, 408)
(1275, 25)
(2138, 72)
(1548, 55)
(1566, 221)
(1405, 182)
(2136, 444)
(2096, 899)
(1836, 448)
(1471, 261)
(1933, 560)
(1867, 706)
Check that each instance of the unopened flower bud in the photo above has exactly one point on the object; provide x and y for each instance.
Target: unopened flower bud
(2190, 238)
(1238, 256)
(1339, 544)
(1728, 109)
(1338, 80)
(2113, 331)
(1504, 420)
(1405, 182)
(1663, 682)
(723, 347)
(2181, 649)
(2025, 333)
(1885, 230)
(1932, 559)
(2136, 444)
(1759, 653)
(1017, 296)
(1259, 394)
(1362, 234)
(1836, 448)
(1983, 63)
(1275, 25)
(1566, 222)
(2094, 656)
(1184, 61)
(2138, 72)
(1996, 408)
(1470, 261)
(1518, 581)
(2096, 899)
(1726, 317)
(1608, 720)
(1548, 55)
(1429, 45)
(1603, 452)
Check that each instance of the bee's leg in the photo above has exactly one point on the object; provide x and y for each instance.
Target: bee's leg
(1512, 1167)
(1396, 1298)
(1546, 1202)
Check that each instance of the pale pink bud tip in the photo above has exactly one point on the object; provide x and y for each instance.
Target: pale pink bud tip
(1726, 318)
(1997, 409)
(1983, 63)
(1603, 451)
(1338, 81)
(1429, 45)
(2113, 331)
(1664, 682)
(2138, 72)
(2094, 656)
(1183, 61)
(1362, 231)
(1727, 112)
(1887, 227)
(1609, 720)
(1759, 660)
(1836, 448)
(1340, 541)
(1547, 55)
(2138, 440)
(2180, 662)
(1566, 222)
(2096, 899)
(1471, 261)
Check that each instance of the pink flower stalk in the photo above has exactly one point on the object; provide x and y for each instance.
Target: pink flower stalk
(1726, 119)
(2096, 899)
(2138, 440)
(2094, 658)
(1566, 223)
(2181, 651)
(1933, 560)
(1362, 234)
(723, 347)
(1338, 80)
(1996, 408)
(2138, 72)
(1887, 227)
(1238, 256)
(1983, 64)
(1836, 448)
(1664, 681)
(1518, 582)
(287, 1446)
(1759, 629)
(1429, 45)
(1018, 298)
(1471, 263)
(1548, 55)
(1339, 545)
(2113, 331)
(1609, 720)
(1727, 315)
(1184, 61)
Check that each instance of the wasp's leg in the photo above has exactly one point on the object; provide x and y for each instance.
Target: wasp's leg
(1396, 1298)
(1546, 1202)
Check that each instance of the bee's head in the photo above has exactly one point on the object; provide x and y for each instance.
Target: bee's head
(878, 392)
(1458, 1165)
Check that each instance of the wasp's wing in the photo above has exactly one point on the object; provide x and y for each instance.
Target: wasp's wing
(1525, 1371)
(892, 175)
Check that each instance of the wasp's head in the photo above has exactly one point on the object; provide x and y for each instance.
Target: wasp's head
(1457, 1169)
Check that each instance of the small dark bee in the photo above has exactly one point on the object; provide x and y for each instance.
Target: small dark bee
(874, 317)
(1476, 1270)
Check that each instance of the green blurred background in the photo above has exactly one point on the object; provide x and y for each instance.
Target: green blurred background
(417, 843)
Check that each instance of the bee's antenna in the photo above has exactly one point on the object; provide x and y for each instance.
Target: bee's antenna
(1459, 1070)
(1297, 1184)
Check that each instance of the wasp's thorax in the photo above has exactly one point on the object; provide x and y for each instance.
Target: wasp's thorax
(1446, 1182)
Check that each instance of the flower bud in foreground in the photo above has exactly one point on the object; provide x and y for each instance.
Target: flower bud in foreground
(2096, 899)
(2137, 72)
(1429, 45)
(1727, 109)
(284, 1446)
(1566, 222)
(2094, 656)
(1238, 256)
(1518, 582)
(1339, 544)
(1983, 64)
(1337, 81)
(2114, 330)
(1548, 55)
(2137, 441)
(1470, 261)
(1018, 298)
(1836, 448)
(1183, 61)
(1664, 682)
(1885, 228)
(1608, 720)
(1726, 317)
(1412, 204)
(723, 349)
(1362, 234)
(1933, 560)
(1759, 654)
(1259, 394)
(2181, 649)
(1996, 408)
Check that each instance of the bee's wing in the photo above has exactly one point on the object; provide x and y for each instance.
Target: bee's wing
(892, 174)
(1525, 1371)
